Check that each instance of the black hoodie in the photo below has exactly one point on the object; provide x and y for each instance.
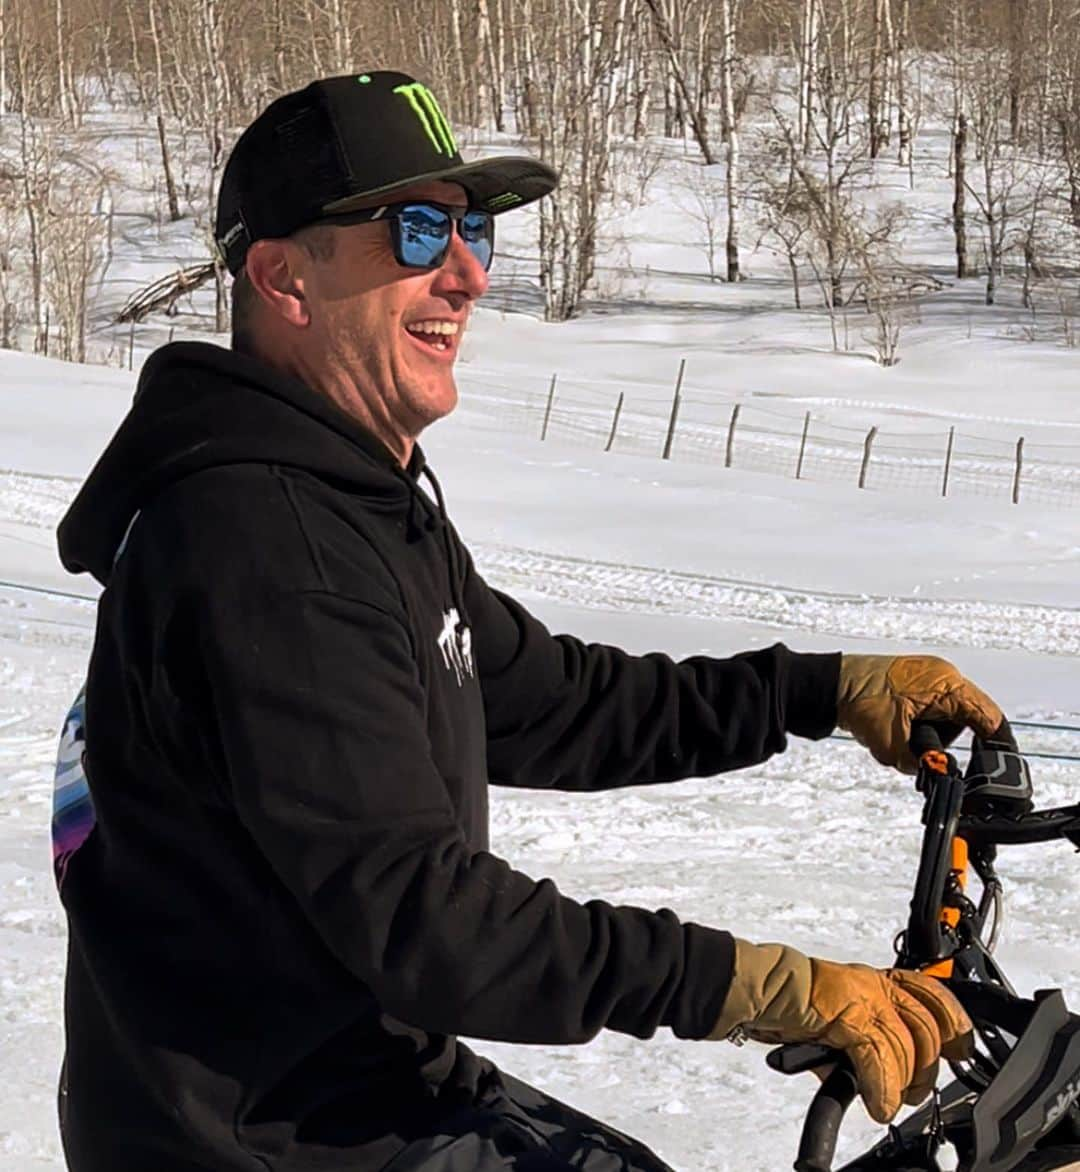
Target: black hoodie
(299, 691)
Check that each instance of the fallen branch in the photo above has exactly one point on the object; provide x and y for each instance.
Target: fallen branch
(164, 292)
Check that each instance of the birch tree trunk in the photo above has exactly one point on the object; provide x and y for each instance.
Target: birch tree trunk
(1017, 28)
(888, 71)
(527, 79)
(959, 213)
(3, 58)
(807, 70)
(67, 110)
(875, 95)
(215, 98)
(489, 85)
(728, 16)
(640, 73)
(614, 80)
(340, 38)
(458, 53)
(703, 93)
(1044, 85)
(278, 45)
(170, 185)
(498, 46)
(903, 110)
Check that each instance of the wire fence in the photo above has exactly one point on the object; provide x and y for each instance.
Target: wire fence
(699, 428)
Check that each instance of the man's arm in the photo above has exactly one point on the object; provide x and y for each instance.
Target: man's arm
(562, 714)
(321, 739)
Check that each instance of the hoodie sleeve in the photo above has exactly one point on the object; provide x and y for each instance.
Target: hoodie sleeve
(562, 714)
(321, 740)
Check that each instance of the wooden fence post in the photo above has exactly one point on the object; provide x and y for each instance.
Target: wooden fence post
(802, 446)
(46, 331)
(731, 436)
(614, 423)
(1019, 466)
(948, 462)
(547, 413)
(674, 411)
(867, 446)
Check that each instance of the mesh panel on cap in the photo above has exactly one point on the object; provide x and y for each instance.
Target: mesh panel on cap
(313, 170)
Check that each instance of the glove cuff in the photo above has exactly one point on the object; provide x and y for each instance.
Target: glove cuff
(770, 987)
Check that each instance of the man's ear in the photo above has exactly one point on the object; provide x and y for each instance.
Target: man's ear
(276, 271)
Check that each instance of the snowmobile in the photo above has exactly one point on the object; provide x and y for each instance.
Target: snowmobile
(1014, 1106)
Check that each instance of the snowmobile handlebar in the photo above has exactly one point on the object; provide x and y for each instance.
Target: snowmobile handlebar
(965, 815)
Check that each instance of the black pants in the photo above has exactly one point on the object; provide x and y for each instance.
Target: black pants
(514, 1127)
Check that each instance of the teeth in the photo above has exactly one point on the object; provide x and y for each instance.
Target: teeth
(447, 328)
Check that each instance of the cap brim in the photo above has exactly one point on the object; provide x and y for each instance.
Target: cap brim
(498, 184)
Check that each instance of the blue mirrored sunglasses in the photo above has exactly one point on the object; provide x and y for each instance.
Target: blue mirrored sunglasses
(421, 230)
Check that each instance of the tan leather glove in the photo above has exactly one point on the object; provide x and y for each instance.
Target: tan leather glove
(892, 1024)
(880, 695)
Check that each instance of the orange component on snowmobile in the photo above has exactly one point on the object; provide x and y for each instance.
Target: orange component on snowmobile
(936, 760)
(950, 916)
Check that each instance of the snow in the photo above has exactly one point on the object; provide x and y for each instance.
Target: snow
(817, 847)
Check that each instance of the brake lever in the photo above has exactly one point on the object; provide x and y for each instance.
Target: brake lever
(799, 1057)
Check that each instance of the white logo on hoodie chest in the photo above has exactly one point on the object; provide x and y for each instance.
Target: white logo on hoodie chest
(455, 645)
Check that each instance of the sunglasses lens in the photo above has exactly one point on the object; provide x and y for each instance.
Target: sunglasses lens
(424, 235)
(478, 232)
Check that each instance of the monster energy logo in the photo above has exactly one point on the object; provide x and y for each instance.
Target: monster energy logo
(499, 203)
(431, 117)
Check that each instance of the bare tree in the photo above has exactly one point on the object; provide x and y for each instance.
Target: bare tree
(573, 124)
(10, 286)
(73, 260)
(786, 217)
(700, 196)
(826, 184)
(883, 283)
(1001, 190)
(678, 73)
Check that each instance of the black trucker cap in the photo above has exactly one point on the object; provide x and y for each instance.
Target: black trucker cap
(337, 142)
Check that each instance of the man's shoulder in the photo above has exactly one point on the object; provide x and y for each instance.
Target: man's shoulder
(255, 521)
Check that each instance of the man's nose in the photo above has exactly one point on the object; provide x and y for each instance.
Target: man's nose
(461, 272)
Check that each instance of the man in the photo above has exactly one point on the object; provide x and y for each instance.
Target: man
(282, 906)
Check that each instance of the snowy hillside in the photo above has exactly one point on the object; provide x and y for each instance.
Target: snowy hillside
(817, 847)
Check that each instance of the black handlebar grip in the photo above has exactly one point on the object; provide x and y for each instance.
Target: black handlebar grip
(822, 1128)
(925, 738)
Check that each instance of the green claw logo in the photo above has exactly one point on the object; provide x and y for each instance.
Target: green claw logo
(431, 117)
(499, 203)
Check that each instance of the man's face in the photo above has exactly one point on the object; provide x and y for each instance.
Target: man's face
(392, 332)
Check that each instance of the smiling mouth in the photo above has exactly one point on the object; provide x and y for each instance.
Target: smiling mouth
(436, 334)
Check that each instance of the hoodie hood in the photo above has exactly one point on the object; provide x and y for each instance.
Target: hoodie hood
(199, 406)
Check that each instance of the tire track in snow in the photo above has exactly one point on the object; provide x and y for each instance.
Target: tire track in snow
(40, 501)
(1044, 630)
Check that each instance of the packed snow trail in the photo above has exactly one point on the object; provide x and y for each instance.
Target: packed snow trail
(1044, 630)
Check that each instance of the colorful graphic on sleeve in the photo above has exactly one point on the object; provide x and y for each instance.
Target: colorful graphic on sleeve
(73, 810)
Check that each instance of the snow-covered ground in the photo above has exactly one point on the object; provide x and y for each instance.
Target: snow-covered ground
(817, 847)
